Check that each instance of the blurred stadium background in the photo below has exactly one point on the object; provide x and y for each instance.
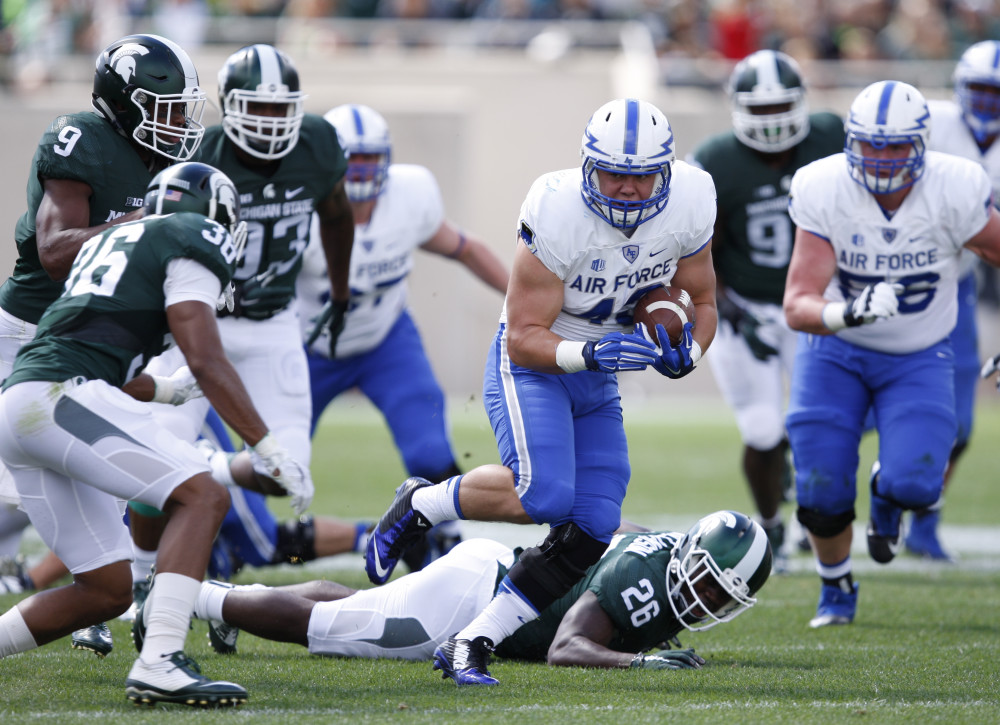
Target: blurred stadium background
(489, 94)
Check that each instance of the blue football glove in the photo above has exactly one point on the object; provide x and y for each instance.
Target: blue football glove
(620, 351)
(675, 362)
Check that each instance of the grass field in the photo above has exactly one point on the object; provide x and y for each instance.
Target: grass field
(925, 646)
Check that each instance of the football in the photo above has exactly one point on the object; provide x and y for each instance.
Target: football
(668, 306)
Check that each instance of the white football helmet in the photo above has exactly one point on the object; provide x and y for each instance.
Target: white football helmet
(977, 88)
(261, 74)
(715, 570)
(362, 130)
(627, 136)
(887, 113)
(768, 78)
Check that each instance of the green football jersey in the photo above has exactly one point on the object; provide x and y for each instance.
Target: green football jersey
(754, 234)
(630, 582)
(78, 147)
(111, 318)
(277, 200)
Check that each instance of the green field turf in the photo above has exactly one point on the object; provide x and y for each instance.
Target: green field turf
(925, 646)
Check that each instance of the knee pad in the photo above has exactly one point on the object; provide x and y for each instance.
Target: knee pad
(824, 525)
(547, 571)
(296, 541)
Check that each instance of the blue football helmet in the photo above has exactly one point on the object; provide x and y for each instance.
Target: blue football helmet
(715, 570)
(362, 130)
(627, 136)
(884, 114)
(977, 88)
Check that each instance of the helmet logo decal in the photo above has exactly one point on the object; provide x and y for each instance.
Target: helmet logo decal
(123, 62)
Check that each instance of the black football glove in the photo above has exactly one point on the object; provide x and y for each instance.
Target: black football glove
(258, 298)
(668, 659)
(748, 327)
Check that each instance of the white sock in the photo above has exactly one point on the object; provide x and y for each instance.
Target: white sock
(439, 503)
(213, 594)
(14, 634)
(168, 614)
(142, 563)
(502, 616)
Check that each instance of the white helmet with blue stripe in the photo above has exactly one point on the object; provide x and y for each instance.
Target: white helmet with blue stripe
(887, 113)
(977, 88)
(362, 130)
(627, 136)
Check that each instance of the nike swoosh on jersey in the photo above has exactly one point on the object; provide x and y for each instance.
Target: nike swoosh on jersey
(659, 251)
(292, 193)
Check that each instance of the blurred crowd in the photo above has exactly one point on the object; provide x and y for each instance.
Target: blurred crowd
(37, 33)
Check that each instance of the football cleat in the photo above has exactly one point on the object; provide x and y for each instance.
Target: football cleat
(139, 626)
(178, 679)
(222, 637)
(465, 661)
(399, 528)
(835, 606)
(14, 578)
(96, 639)
(140, 590)
(883, 524)
(922, 538)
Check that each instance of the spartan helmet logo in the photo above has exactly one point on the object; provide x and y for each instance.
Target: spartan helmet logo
(123, 61)
(225, 194)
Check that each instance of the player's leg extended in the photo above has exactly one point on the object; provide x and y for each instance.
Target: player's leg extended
(915, 407)
(754, 390)
(923, 537)
(549, 406)
(826, 411)
(328, 379)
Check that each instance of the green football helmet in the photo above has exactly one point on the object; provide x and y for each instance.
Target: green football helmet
(716, 569)
(261, 104)
(147, 88)
(197, 187)
(768, 78)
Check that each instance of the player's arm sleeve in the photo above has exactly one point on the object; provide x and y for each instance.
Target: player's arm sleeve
(973, 198)
(805, 213)
(188, 279)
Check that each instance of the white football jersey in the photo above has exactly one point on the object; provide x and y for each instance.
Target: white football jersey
(604, 271)
(409, 211)
(918, 246)
(950, 134)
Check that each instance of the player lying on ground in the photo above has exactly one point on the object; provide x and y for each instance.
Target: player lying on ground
(639, 596)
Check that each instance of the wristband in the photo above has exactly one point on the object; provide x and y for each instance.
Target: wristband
(163, 389)
(833, 316)
(569, 356)
(267, 446)
(695, 352)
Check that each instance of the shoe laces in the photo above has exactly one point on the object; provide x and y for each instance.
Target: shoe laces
(182, 661)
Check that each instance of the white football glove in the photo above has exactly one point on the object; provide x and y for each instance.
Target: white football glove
(875, 302)
(178, 388)
(989, 367)
(227, 300)
(272, 460)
